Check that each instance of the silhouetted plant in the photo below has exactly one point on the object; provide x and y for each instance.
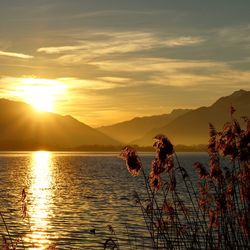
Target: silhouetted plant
(217, 214)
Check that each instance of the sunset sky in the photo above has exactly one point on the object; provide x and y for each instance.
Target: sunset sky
(105, 61)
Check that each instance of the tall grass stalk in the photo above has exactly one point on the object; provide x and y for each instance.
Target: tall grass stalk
(216, 214)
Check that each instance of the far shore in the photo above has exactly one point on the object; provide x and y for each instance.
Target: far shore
(103, 148)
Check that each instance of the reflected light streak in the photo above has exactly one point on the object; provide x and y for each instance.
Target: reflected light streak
(40, 207)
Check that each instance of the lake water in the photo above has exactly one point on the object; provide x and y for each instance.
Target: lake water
(69, 195)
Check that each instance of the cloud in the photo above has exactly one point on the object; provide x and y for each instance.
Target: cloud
(183, 41)
(84, 85)
(20, 87)
(60, 49)
(154, 65)
(14, 54)
(13, 86)
(119, 80)
(115, 45)
(233, 34)
(182, 80)
(120, 43)
(116, 13)
(177, 73)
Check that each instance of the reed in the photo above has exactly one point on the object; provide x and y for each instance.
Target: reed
(15, 241)
(216, 212)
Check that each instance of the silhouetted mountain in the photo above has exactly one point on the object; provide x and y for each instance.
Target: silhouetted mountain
(192, 127)
(22, 128)
(133, 129)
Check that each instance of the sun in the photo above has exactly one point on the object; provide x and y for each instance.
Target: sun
(41, 94)
(41, 99)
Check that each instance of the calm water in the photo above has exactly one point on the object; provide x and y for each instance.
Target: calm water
(70, 194)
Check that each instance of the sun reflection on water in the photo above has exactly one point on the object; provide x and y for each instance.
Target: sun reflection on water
(41, 196)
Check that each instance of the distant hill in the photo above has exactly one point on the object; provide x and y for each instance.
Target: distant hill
(192, 127)
(131, 130)
(22, 128)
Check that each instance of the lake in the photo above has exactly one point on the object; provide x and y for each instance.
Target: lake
(72, 198)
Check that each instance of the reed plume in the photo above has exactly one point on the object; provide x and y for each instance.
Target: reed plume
(217, 213)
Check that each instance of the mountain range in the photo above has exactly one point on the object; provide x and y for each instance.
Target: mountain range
(186, 127)
(129, 131)
(23, 128)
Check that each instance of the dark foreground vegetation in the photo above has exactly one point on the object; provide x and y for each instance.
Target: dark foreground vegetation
(213, 213)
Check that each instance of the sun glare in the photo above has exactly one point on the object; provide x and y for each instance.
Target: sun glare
(42, 94)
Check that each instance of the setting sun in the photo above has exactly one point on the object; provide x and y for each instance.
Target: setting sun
(41, 93)
(41, 101)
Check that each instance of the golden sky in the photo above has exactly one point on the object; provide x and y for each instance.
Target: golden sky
(108, 61)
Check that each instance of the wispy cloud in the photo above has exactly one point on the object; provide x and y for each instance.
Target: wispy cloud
(12, 85)
(155, 65)
(14, 54)
(183, 41)
(60, 49)
(123, 42)
(86, 84)
(116, 13)
(233, 34)
(118, 80)
(177, 73)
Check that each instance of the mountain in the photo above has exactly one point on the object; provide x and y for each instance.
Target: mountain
(133, 129)
(23, 128)
(192, 127)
